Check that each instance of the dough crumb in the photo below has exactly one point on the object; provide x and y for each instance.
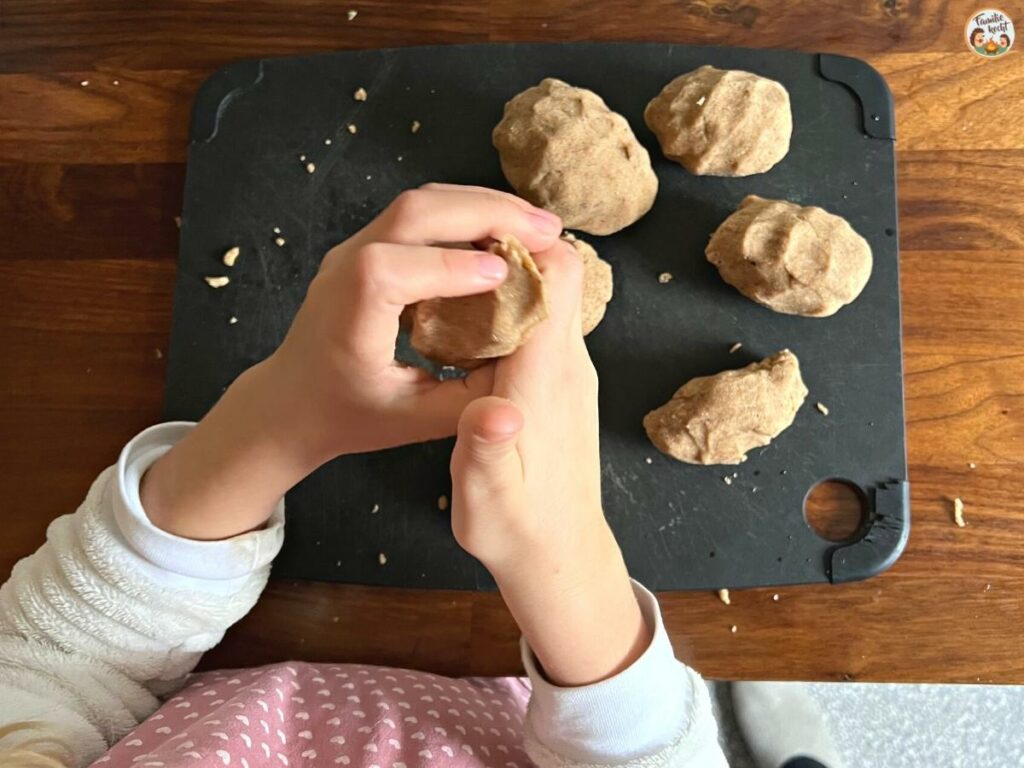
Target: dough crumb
(415, 128)
(177, 221)
(701, 100)
(159, 353)
(822, 408)
(279, 241)
(217, 282)
(375, 510)
(442, 502)
(231, 256)
(327, 142)
(352, 15)
(382, 559)
(649, 460)
(335, 619)
(117, 82)
(399, 158)
(232, 320)
(775, 597)
(351, 128)
(310, 167)
(360, 94)
(727, 480)
(736, 347)
(972, 465)
(84, 83)
(277, 230)
(665, 277)
(723, 595)
(302, 158)
(733, 629)
(958, 512)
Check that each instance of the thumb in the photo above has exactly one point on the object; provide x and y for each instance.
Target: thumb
(487, 473)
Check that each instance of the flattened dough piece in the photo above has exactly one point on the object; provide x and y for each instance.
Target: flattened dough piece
(466, 331)
(722, 122)
(597, 283)
(795, 260)
(563, 149)
(717, 419)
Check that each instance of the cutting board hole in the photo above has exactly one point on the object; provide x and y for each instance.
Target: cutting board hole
(836, 510)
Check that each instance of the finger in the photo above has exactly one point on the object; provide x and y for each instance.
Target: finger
(386, 278)
(428, 216)
(441, 186)
(433, 408)
(486, 467)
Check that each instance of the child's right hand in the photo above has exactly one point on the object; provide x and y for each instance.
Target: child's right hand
(526, 496)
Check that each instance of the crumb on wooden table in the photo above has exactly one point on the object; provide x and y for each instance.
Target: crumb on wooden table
(972, 465)
(415, 127)
(177, 221)
(822, 408)
(352, 15)
(382, 559)
(775, 597)
(736, 347)
(733, 629)
(442, 502)
(279, 241)
(84, 83)
(665, 277)
(231, 256)
(723, 595)
(360, 94)
(351, 128)
(958, 512)
(159, 353)
(217, 282)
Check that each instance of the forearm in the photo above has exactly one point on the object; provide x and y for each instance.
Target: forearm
(228, 473)
(578, 614)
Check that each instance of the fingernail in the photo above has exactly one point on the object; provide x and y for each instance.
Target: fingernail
(491, 266)
(545, 221)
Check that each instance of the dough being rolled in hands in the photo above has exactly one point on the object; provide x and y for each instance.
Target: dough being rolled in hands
(718, 419)
(467, 331)
(597, 283)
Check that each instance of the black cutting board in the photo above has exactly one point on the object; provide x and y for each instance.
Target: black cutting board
(680, 526)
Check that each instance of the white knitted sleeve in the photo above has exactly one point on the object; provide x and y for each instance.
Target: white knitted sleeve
(111, 613)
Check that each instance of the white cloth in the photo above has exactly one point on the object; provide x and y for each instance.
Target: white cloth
(112, 613)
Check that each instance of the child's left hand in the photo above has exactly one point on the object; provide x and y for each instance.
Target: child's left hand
(333, 387)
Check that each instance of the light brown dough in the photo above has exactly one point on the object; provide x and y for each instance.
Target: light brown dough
(717, 419)
(796, 260)
(722, 122)
(466, 331)
(563, 149)
(597, 283)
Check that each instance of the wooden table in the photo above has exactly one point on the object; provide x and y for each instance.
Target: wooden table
(90, 183)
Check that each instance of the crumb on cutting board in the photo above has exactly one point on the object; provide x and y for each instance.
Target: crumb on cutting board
(279, 241)
(310, 167)
(159, 353)
(232, 320)
(217, 282)
(822, 408)
(727, 480)
(649, 460)
(231, 256)
(351, 128)
(958, 512)
(442, 502)
(382, 559)
(177, 221)
(723, 595)
(375, 509)
(665, 277)
(736, 347)
(277, 230)
(360, 94)
(415, 127)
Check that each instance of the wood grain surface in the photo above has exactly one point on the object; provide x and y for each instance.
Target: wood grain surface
(90, 183)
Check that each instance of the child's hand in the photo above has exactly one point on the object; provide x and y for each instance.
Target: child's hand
(526, 496)
(337, 362)
(333, 386)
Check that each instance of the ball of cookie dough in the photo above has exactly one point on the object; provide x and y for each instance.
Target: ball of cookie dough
(597, 283)
(466, 331)
(563, 149)
(722, 122)
(718, 419)
(796, 260)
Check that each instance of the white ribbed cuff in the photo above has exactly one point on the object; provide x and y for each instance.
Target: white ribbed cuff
(216, 560)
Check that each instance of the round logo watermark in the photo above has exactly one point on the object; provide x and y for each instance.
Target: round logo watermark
(989, 33)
